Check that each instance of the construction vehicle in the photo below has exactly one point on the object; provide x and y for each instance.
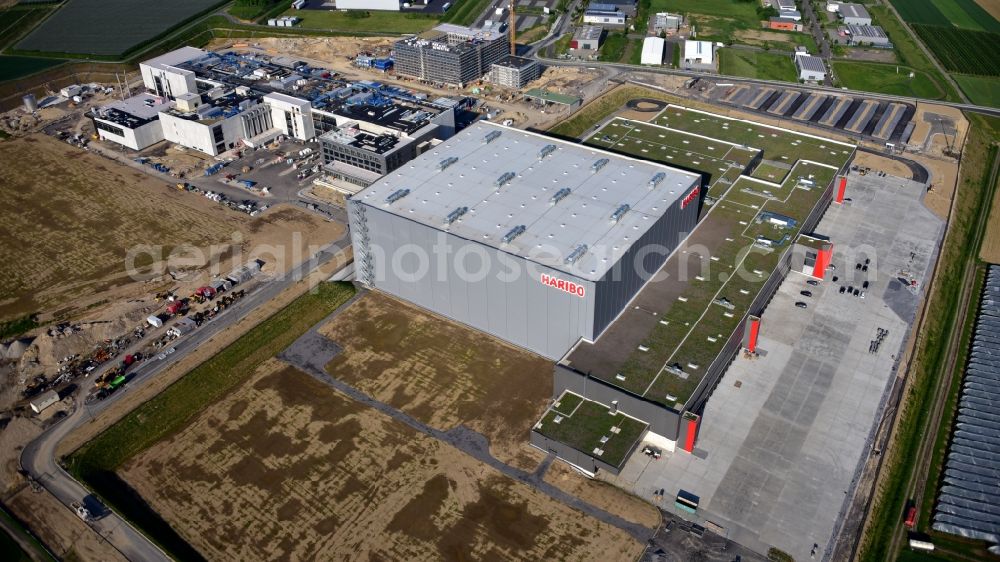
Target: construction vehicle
(116, 383)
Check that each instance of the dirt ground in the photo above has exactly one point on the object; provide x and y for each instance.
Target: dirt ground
(153, 387)
(59, 528)
(442, 373)
(603, 495)
(72, 220)
(287, 468)
(882, 164)
(922, 128)
(991, 6)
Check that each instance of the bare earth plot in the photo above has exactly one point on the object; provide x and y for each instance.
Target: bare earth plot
(70, 218)
(441, 373)
(287, 468)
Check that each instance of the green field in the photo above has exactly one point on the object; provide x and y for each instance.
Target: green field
(966, 14)
(961, 50)
(908, 51)
(464, 12)
(981, 90)
(372, 22)
(12, 67)
(714, 19)
(886, 79)
(614, 47)
(19, 19)
(171, 410)
(756, 64)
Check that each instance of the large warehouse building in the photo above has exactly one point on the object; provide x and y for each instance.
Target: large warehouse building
(537, 241)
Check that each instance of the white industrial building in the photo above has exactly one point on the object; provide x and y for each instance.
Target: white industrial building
(868, 35)
(668, 23)
(133, 122)
(162, 77)
(855, 14)
(652, 50)
(43, 401)
(514, 72)
(388, 5)
(605, 18)
(811, 69)
(699, 52)
(535, 240)
(587, 38)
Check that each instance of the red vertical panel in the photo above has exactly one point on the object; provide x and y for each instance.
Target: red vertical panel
(754, 328)
(692, 430)
(841, 189)
(822, 260)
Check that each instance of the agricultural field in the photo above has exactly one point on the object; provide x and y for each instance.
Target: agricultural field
(66, 251)
(964, 14)
(886, 79)
(19, 19)
(364, 22)
(109, 27)
(981, 90)
(12, 67)
(442, 373)
(756, 64)
(964, 51)
(287, 468)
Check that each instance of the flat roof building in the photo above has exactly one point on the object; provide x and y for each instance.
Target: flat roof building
(609, 18)
(133, 122)
(537, 241)
(451, 54)
(384, 5)
(855, 14)
(43, 401)
(811, 69)
(587, 37)
(627, 7)
(514, 72)
(699, 52)
(868, 35)
(664, 22)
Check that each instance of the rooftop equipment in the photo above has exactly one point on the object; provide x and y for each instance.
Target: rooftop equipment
(454, 215)
(397, 195)
(491, 136)
(504, 179)
(619, 212)
(513, 233)
(560, 195)
(546, 150)
(447, 162)
(596, 166)
(576, 254)
(656, 179)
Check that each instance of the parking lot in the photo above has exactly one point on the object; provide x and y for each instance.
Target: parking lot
(784, 434)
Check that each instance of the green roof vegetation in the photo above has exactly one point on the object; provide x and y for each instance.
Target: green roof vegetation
(567, 403)
(553, 97)
(591, 423)
(692, 331)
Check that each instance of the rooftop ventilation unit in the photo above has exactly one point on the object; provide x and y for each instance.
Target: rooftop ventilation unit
(619, 212)
(513, 233)
(596, 166)
(397, 195)
(454, 215)
(546, 150)
(560, 195)
(657, 179)
(504, 179)
(491, 136)
(576, 254)
(447, 162)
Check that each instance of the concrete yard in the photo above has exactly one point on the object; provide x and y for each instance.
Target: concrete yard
(784, 434)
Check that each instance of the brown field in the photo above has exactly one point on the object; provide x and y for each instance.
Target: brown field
(70, 216)
(990, 250)
(991, 6)
(442, 373)
(287, 468)
(601, 494)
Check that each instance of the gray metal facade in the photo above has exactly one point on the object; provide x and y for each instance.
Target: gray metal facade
(458, 65)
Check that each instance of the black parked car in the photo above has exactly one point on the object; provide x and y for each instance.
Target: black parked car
(801, 304)
(812, 282)
(806, 293)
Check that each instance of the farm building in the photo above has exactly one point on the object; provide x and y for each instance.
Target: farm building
(43, 401)
(514, 72)
(664, 22)
(614, 19)
(534, 240)
(699, 52)
(587, 38)
(784, 24)
(810, 68)
(868, 35)
(652, 50)
(855, 14)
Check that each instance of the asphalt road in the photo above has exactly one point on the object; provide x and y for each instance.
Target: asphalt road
(39, 457)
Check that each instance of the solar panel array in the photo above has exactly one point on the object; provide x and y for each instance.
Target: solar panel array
(969, 503)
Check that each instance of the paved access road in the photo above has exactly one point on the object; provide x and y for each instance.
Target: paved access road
(39, 457)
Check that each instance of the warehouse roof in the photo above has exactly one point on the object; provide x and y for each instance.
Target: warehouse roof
(580, 208)
(854, 11)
